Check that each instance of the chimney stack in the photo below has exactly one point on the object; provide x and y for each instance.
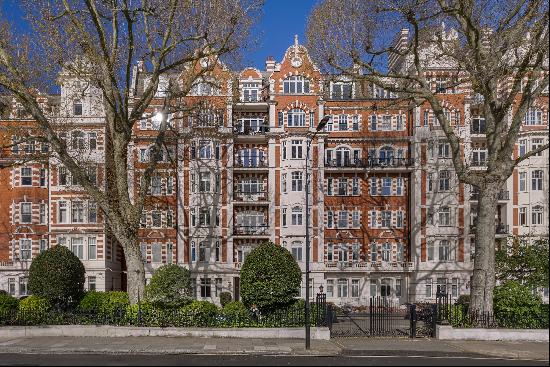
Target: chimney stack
(270, 64)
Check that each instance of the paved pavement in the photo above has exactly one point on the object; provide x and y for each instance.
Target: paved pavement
(291, 347)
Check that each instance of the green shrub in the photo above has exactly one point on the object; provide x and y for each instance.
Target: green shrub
(270, 278)
(58, 276)
(111, 305)
(7, 303)
(114, 303)
(145, 314)
(33, 310)
(170, 287)
(225, 298)
(91, 302)
(235, 314)
(199, 313)
(516, 307)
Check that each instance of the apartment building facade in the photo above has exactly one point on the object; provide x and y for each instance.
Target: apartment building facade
(388, 216)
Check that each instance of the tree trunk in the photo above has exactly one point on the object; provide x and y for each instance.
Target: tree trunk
(136, 272)
(483, 280)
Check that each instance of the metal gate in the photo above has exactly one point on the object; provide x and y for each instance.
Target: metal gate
(381, 318)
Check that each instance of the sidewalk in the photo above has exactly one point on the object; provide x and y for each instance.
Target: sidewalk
(334, 347)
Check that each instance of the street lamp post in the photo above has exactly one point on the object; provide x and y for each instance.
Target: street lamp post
(320, 127)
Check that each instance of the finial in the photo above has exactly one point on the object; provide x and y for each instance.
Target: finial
(295, 40)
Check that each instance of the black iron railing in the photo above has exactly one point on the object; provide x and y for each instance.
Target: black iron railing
(251, 130)
(251, 230)
(370, 162)
(250, 196)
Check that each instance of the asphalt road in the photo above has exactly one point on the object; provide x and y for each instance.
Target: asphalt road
(246, 360)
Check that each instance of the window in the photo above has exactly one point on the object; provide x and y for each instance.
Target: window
(77, 247)
(91, 283)
(296, 149)
(42, 177)
(62, 208)
(204, 251)
(386, 252)
(11, 286)
(330, 253)
(386, 218)
(373, 252)
(399, 219)
(386, 186)
(156, 185)
(444, 216)
(341, 90)
(373, 219)
(330, 219)
(536, 215)
(92, 248)
(25, 245)
(429, 288)
(297, 216)
(385, 287)
(355, 186)
(355, 123)
(536, 180)
(193, 252)
(296, 118)
(243, 252)
(156, 219)
(430, 251)
(342, 122)
(523, 216)
(217, 252)
(356, 219)
(206, 287)
(204, 217)
(204, 181)
(373, 188)
(343, 186)
(205, 149)
(26, 213)
(343, 252)
(296, 181)
(522, 181)
(77, 211)
(444, 150)
(329, 186)
(386, 123)
(297, 250)
(373, 123)
(343, 219)
(444, 250)
(296, 84)
(251, 92)
(536, 144)
(478, 125)
(533, 116)
(280, 119)
(157, 253)
(23, 290)
(355, 252)
(398, 288)
(355, 288)
(444, 180)
(455, 287)
(283, 216)
(479, 157)
(522, 147)
(43, 209)
(429, 180)
(399, 186)
(373, 288)
(441, 285)
(43, 245)
(330, 288)
(78, 140)
(26, 176)
(77, 108)
(400, 250)
(342, 288)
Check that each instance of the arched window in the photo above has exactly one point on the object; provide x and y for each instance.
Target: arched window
(296, 117)
(386, 156)
(296, 84)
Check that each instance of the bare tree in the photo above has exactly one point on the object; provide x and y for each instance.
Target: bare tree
(499, 53)
(99, 42)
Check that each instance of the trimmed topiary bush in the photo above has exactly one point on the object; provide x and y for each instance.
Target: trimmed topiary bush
(515, 306)
(58, 276)
(270, 277)
(33, 310)
(7, 303)
(170, 287)
(199, 313)
(225, 298)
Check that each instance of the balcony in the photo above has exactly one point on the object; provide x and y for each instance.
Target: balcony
(503, 195)
(251, 130)
(261, 230)
(250, 196)
(251, 162)
(371, 163)
(351, 266)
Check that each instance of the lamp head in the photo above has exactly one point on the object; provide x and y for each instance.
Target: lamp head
(323, 122)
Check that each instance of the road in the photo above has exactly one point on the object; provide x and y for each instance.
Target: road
(247, 360)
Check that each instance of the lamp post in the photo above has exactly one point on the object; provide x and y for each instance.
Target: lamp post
(320, 127)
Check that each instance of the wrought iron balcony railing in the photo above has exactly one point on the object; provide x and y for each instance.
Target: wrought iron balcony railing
(250, 130)
(250, 196)
(370, 162)
(261, 230)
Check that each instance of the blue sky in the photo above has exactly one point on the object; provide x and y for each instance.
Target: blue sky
(281, 20)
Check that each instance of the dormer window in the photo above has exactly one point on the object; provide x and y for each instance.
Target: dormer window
(342, 90)
(296, 84)
(77, 108)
